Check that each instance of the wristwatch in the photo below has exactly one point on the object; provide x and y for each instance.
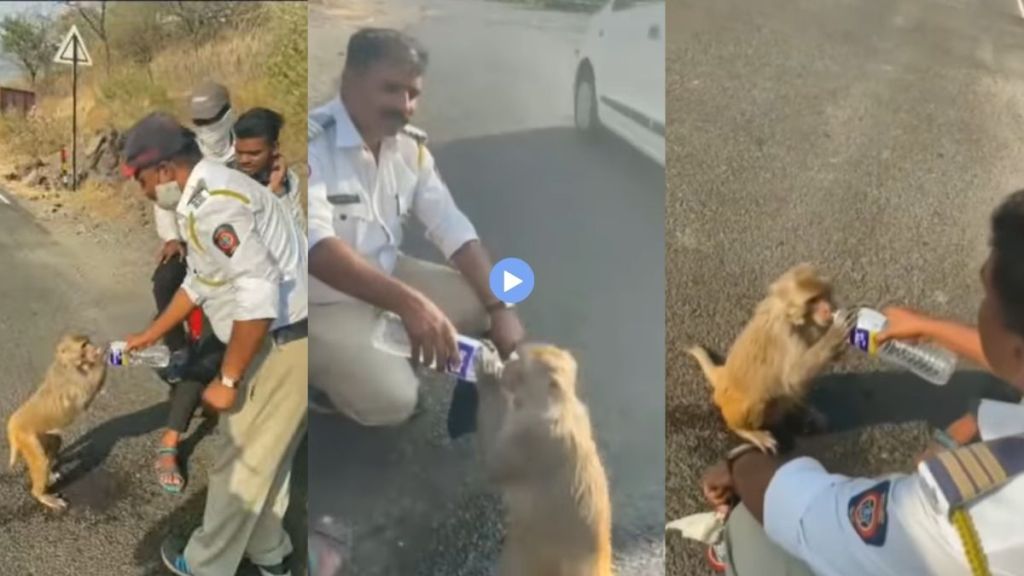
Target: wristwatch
(228, 381)
(498, 305)
(737, 452)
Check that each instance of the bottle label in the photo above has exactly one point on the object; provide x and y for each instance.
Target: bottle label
(864, 335)
(467, 354)
(116, 354)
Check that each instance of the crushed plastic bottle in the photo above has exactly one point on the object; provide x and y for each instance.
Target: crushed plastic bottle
(933, 363)
(391, 337)
(156, 356)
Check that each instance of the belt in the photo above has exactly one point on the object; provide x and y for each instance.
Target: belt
(291, 332)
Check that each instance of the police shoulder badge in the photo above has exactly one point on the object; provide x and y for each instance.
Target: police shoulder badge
(226, 239)
(869, 513)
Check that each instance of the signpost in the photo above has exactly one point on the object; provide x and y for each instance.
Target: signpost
(72, 51)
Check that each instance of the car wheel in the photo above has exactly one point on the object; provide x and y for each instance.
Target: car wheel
(585, 109)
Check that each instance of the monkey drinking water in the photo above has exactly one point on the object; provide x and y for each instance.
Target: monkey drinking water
(69, 387)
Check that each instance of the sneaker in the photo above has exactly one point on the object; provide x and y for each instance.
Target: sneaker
(319, 403)
(275, 570)
(715, 556)
(172, 553)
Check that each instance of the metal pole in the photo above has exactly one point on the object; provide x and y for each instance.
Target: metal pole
(74, 114)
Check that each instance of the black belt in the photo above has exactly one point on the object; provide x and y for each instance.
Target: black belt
(291, 332)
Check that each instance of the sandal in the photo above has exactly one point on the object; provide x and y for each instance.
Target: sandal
(169, 475)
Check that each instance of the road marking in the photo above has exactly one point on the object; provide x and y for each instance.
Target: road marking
(1020, 6)
(4, 200)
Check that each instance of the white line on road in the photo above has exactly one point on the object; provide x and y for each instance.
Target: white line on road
(4, 200)
(1020, 6)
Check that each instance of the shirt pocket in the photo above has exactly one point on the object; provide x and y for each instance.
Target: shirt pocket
(351, 215)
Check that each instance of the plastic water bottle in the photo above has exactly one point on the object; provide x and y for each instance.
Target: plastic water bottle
(391, 337)
(156, 356)
(928, 361)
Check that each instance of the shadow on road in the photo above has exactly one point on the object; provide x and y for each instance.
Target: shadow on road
(858, 400)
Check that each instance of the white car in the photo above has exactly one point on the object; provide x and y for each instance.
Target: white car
(620, 75)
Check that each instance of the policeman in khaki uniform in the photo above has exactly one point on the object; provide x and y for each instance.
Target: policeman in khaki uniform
(247, 269)
(369, 173)
(960, 513)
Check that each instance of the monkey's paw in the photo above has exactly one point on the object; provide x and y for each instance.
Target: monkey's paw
(53, 502)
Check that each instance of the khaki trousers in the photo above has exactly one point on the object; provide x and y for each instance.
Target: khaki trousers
(373, 387)
(751, 553)
(249, 482)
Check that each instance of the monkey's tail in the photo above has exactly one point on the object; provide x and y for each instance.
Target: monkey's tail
(706, 363)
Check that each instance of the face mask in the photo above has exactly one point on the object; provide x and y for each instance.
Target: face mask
(215, 141)
(168, 195)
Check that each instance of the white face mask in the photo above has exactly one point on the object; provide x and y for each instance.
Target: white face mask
(215, 141)
(168, 195)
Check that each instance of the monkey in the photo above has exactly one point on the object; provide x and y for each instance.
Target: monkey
(71, 383)
(537, 447)
(790, 339)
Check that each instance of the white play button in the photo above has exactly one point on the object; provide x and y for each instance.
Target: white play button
(509, 281)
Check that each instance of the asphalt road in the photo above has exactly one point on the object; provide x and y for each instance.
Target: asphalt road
(588, 219)
(873, 138)
(69, 279)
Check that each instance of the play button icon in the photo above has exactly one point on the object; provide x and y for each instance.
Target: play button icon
(511, 280)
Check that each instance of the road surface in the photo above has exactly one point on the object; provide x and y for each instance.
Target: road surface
(71, 280)
(873, 138)
(588, 219)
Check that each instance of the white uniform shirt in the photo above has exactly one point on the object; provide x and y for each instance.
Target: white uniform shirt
(366, 203)
(893, 525)
(292, 201)
(246, 258)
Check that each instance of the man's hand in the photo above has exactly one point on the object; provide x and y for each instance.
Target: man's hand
(140, 341)
(905, 324)
(172, 249)
(219, 397)
(718, 486)
(431, 334)
(506, 331)
(278, 175)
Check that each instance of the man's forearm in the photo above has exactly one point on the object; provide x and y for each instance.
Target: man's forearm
(334, 263)
(172, 316)
(751, 475)
(245, 342)
(962, 339)
(474, 263)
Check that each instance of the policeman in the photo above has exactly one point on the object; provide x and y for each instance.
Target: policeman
(247, 271)
(369, 172)
(960, 513)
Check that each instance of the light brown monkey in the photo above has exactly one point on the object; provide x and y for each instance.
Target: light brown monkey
(69, 387)
(538, 448)
(768, 370)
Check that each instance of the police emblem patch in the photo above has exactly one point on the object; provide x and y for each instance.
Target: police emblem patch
(868, 513)
(225, 239)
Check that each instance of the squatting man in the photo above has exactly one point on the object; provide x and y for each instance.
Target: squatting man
(369, 171)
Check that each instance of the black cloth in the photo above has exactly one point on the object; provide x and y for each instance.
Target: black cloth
(462, 410)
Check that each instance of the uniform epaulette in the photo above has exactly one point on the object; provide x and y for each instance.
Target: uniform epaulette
(415, 133)
(317, 123)
(974, 471)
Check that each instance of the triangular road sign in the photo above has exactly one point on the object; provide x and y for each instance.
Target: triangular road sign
(66, 52)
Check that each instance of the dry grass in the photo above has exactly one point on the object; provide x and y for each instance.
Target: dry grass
(262, 64)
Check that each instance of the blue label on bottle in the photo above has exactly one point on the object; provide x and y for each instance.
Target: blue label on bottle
(466, 352)
(116, 357)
